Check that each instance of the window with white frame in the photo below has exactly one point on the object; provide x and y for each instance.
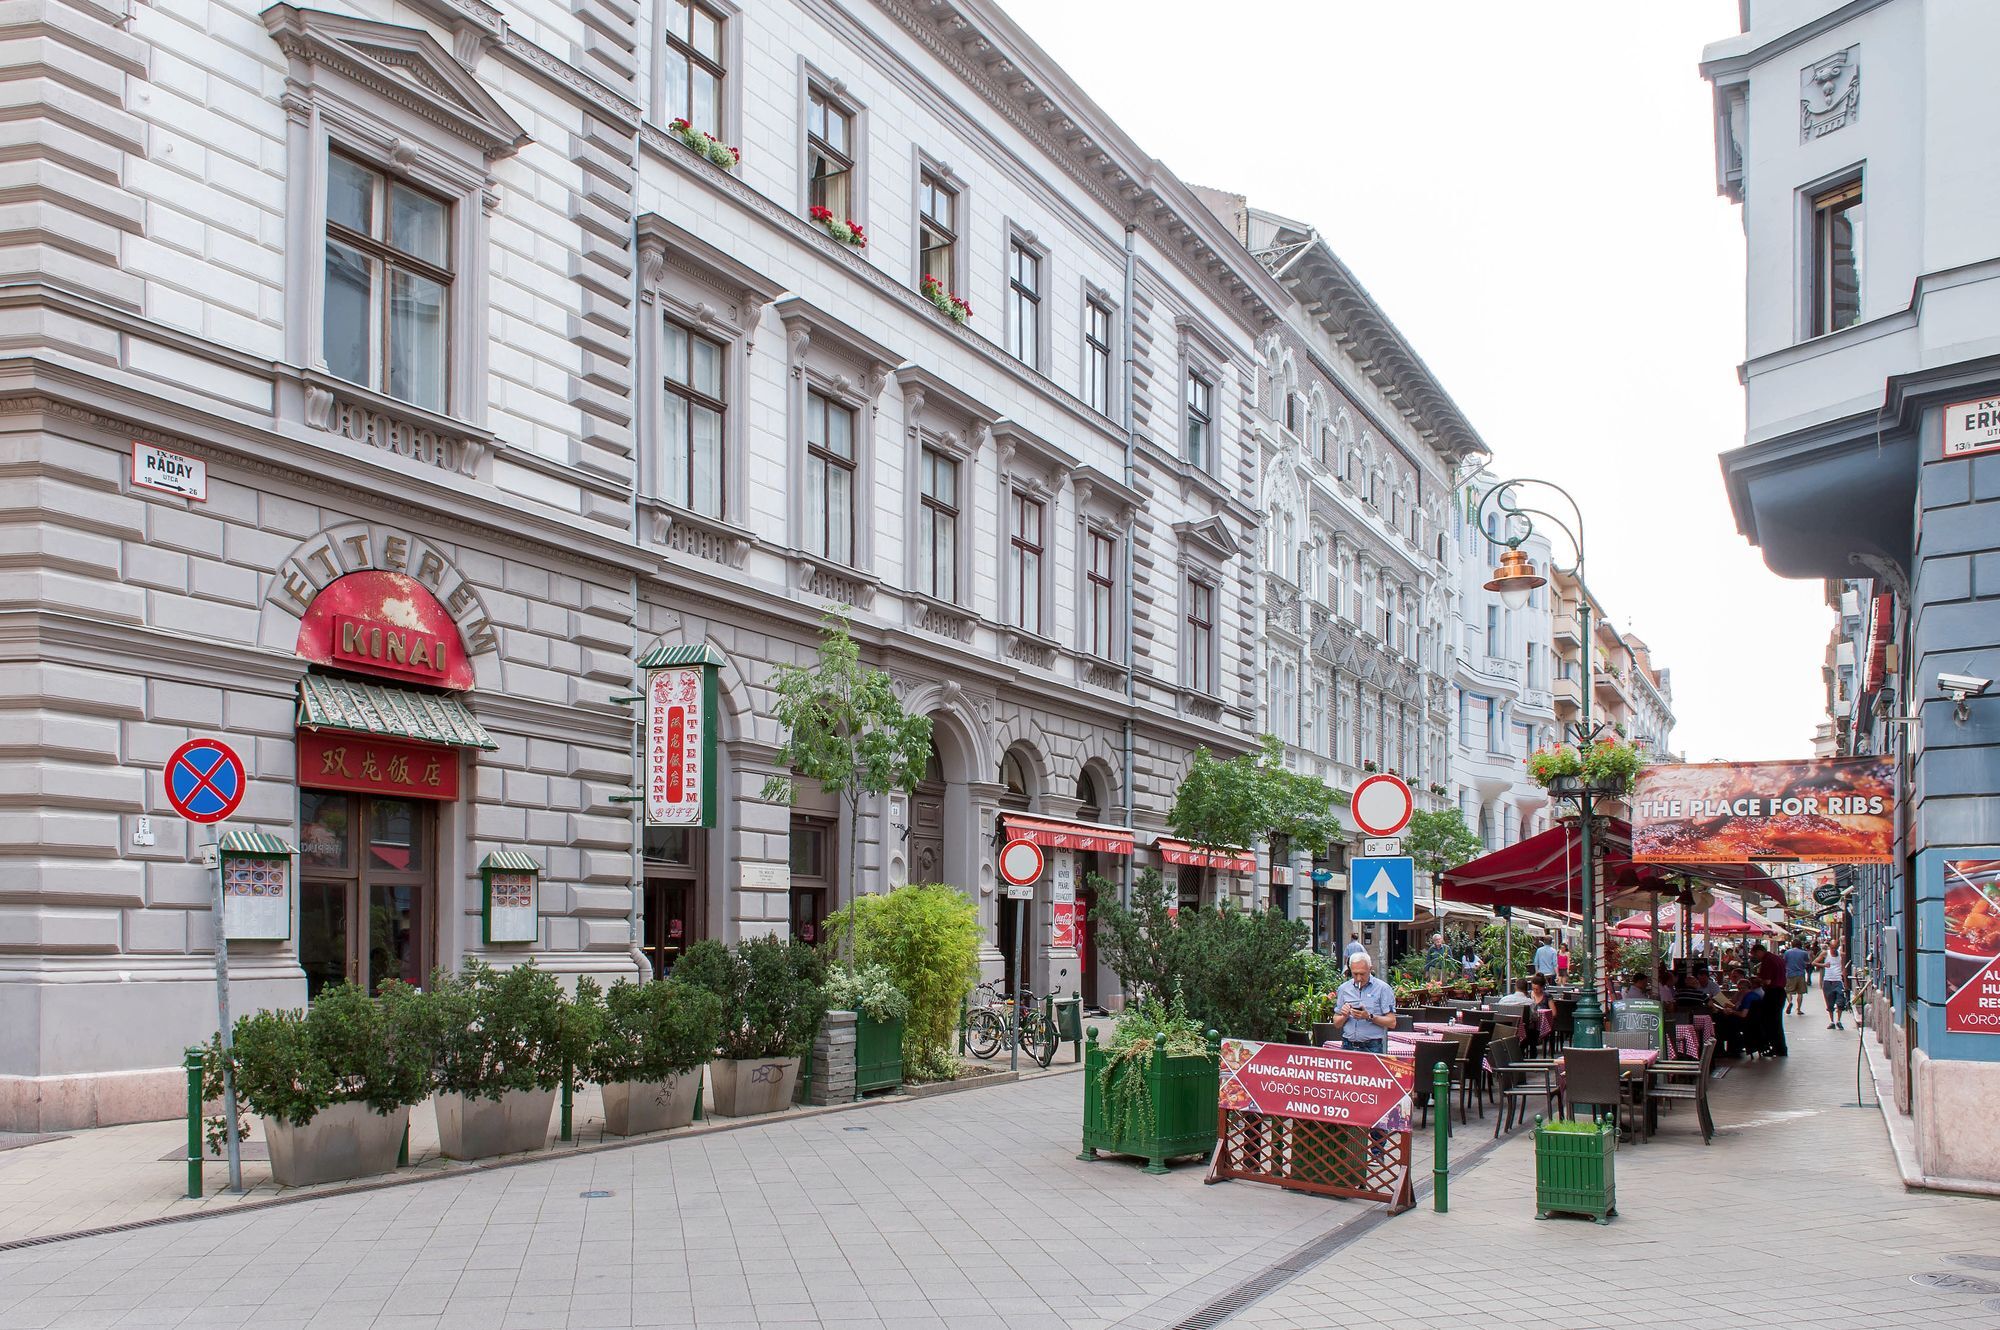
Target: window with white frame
(1024, 303)
(1101, 582)
(829, 478)
(1199, 655)
(829, 154)
(938, 527)
(1024, 560)
(691, 437)
(1097, 355)
(691, 63)
(937, 229)
(1200, 427)
(388, 284)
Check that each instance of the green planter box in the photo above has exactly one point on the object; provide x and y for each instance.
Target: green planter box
(878, 1055)
(1184, 1091)
(1574, 1172)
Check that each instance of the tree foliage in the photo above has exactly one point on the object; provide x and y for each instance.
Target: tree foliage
(1254, 798)
(1440, 841)
(927, 937)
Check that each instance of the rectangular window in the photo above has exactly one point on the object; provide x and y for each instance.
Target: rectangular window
(1097, 356)
(1024, 554)
(1496, 732)
(1200, 420)
(1836, 258)
(829, 155)
(939, 522)
(937, 229)
(829, 479)
(1024, 303)
(1102, 578)
(1493, 642)
(388, 284)
(691, 446)
(692, 64)
(1201, 637)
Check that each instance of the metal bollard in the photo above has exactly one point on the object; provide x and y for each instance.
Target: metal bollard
(1441, 1144)
(193, 1064)
(568, 1089)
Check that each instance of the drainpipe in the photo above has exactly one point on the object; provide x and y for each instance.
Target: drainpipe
(632, 920)
(1131, 531)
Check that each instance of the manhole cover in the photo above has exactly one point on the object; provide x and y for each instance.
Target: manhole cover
(1945, 1281)
(1975, 1260)
(600, 1195)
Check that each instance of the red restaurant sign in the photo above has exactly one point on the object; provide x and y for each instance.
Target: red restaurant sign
(337, 760)
(1321, 1084)
(1829, 811)
(1972, 946)
(387, 624)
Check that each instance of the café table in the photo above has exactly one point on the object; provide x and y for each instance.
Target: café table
(1446, 1027)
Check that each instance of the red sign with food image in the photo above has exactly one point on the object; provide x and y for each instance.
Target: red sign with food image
(1323, 1084)
(1830, 811)
(1972, 946)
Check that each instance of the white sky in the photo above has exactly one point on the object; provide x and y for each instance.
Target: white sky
(1529, 191)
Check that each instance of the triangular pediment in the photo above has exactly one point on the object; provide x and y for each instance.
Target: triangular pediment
(405, 65)
(1210, 535)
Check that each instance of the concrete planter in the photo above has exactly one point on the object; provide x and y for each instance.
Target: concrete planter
(744, 1087)
(633, 1107)
(341, 1142)
(480, 1128)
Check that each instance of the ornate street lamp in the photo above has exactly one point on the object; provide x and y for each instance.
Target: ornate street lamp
(1514, 580)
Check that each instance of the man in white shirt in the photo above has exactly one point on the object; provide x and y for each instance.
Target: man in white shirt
(1545, 961)
(1515, 1000)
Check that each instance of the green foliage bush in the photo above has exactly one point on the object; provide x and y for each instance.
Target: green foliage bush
(649, 1032)
(1144, 1027)
(867, 989)
(1237, 971)
(772, 994)
(927, 937)
(494, 1030)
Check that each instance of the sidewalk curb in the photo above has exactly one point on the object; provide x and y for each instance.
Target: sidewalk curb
(419, 1174)
(1902, 1130)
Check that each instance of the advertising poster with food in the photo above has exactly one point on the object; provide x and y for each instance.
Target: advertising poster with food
(1834, 811)
(1972, 946)
(1322, 1084)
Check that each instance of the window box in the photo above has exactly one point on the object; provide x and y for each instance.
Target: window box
(844, 229)
(706, 145)
(955, 309)
(1184, 1092)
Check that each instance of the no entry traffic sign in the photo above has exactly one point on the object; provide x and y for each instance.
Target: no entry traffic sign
(205, 780)
(1382, 805)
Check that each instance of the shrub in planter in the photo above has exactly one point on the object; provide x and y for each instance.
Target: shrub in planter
(880, 1009)
(1152, 1091)
(927, 937)
(1236, 969)
(333, 1083)
(504, 1040)
(1575, 1168)
(648, 1051)
(773, 996)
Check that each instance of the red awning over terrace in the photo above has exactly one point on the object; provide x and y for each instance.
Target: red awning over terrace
(1228, 860)
(1056, 834)
(1540, 873)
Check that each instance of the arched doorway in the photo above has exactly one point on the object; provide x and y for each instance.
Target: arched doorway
(1018, 919)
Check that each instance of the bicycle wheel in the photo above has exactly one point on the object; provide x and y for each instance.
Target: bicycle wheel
(983, 1033)
(1039, 1040)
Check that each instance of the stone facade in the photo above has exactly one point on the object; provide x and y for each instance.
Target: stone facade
(503, 432)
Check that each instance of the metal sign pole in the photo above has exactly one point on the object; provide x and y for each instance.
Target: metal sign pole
(1020, 917)
(231, 1134)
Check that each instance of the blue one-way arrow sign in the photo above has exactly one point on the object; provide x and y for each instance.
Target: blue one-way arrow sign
(1385, 890)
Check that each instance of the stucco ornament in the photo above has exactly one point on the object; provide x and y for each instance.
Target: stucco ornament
(1829, 94)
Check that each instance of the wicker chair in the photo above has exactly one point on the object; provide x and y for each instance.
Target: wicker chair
(1686, 1080)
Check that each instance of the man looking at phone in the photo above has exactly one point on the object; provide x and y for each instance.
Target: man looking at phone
(1364, 1009)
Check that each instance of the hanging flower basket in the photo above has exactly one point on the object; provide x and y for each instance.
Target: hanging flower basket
(1606, 768)
(718, 152)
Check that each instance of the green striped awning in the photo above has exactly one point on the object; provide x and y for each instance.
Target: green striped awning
(660, 658)
(509, 861)
(327, 703)
(255, 842)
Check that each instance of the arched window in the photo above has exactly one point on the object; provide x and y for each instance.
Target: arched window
(1019, 790)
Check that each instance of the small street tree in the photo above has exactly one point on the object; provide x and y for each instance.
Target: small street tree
(1440, 841)
(845, 729)
(1253, 797)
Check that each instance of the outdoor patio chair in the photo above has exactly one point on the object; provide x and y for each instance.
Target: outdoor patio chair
(1523, 1083)
(1432, 1053)
(1596, 1080)
(1502, 1052)
(1686, 1080)
(1472, 1073)
(1628, 1039)
(1565, 1022)
(1405, 1021)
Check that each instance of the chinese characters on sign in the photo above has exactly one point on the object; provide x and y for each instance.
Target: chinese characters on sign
(677, 747)
(336, 760)
(1062, 887)
(1972, 946)
(256, 897)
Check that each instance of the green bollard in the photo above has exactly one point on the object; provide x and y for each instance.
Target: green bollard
(568, 1089)
(1441, 1143)
(193, 1064)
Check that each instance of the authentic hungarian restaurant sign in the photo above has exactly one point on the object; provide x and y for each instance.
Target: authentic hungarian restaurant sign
(1825, 811)
(339, 760)
(1972, 946)
(1323, 1084)
(680, 746)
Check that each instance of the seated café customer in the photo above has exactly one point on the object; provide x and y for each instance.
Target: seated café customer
(1636, 988)
(1515, 1000)
(1736, 1016)
(1539, 1028)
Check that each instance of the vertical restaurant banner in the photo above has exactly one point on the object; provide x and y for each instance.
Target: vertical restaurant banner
(680, 746)
(1322, 1084)
(1972, 946)
(1827, 810)
(1062, 889)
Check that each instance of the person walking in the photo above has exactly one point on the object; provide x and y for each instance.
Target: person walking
(1798, 961)
(1833, 985)
(1770, 977)
(1364, 1009)
(1545, 961)
(1355, 947)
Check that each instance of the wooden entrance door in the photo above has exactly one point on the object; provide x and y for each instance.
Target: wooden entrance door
(367, 889)
(927, 823)
(672, 908)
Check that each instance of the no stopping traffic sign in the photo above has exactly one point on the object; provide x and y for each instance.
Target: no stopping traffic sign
(205, 780)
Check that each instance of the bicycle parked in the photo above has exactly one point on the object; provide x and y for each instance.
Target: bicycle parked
(989, 1026)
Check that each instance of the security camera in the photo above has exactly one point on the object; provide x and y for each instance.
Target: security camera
(1961, 686)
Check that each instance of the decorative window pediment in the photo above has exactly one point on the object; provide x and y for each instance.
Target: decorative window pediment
(1210, 535)
(404, 65)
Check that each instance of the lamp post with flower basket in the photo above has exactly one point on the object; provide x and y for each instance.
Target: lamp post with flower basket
(1588, 768)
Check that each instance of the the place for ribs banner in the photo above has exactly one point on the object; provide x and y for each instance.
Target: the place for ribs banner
(1834, 811)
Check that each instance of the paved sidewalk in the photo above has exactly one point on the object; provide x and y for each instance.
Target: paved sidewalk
(1795, 1216)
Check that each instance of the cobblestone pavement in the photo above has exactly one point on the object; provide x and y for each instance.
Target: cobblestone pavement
(1795, 1216)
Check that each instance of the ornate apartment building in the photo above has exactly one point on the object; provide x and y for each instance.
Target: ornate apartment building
(385, 383)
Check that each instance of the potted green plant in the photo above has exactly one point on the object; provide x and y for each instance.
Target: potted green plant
(1574, 1168)
(879, 1008)
(1152, 1091)
(648, 1052)
(502, 1050)
(333, 1084)
(773, 995)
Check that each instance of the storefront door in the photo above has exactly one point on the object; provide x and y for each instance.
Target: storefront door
(367, 889)
(673, 895)
(1086, 952)
(812, 846)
